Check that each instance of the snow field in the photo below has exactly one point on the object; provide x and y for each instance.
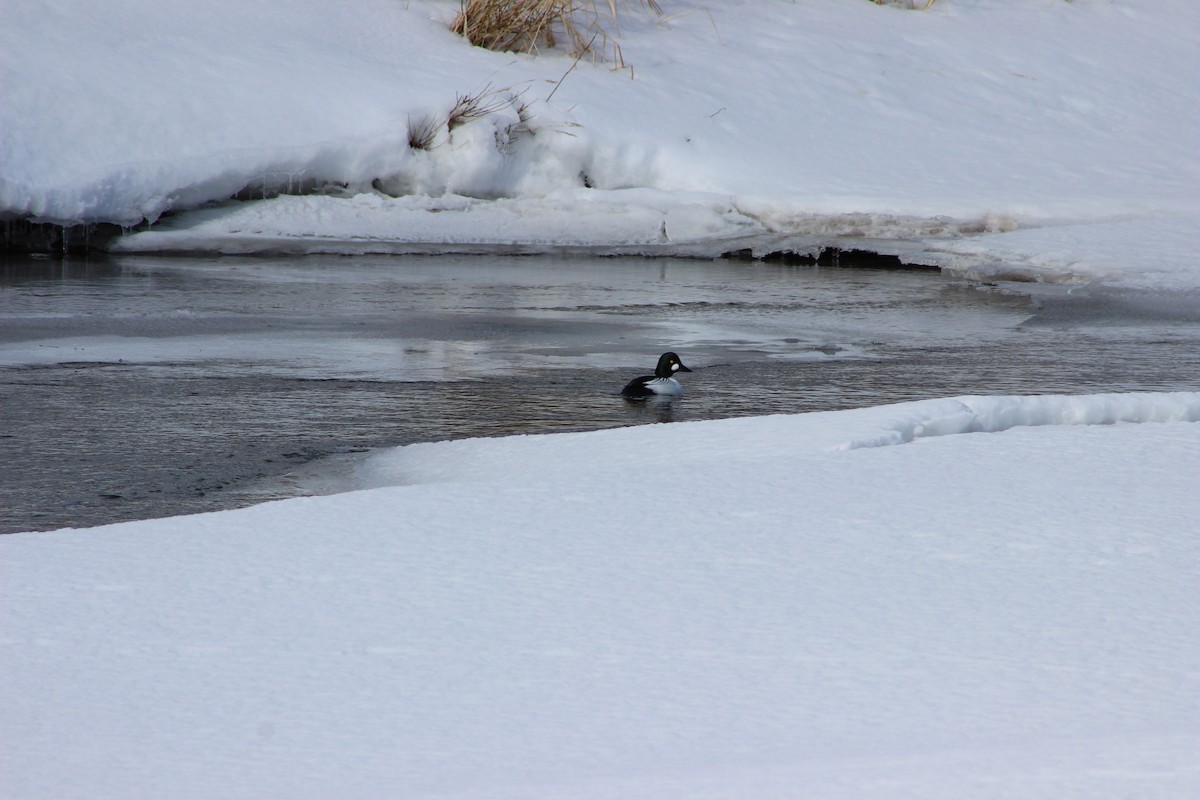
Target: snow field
(770, 607)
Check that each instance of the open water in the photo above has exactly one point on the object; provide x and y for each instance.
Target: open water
(149, 387)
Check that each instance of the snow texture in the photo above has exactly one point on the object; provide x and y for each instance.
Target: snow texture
(986, 597)
(1005, 139)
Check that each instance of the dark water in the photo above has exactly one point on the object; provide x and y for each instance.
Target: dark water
(135, 388)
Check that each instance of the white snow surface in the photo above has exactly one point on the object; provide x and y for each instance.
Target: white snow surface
(984, 597)
(1041, 139)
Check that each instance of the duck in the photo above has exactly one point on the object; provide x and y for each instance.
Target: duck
(661, 383)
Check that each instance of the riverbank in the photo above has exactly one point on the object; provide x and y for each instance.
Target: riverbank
(1041, 141)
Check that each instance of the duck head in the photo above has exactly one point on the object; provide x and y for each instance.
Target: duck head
(668, 365)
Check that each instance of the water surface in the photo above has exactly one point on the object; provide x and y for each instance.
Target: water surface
(147, 387)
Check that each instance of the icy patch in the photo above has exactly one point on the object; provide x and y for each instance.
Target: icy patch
(1141, 253)
(597, 221)
(1150, 253)
(600, 220)
(340, 357)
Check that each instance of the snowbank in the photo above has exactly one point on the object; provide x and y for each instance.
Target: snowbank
(774, 607)
(760, 440)
(1060, 130)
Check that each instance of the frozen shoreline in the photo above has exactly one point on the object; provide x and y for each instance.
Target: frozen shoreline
(1138, 254)
(1055, 128)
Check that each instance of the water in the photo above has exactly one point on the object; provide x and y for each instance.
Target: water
(136, 388)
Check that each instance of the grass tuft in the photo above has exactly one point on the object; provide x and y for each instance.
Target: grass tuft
(477, 106)
(429, 131)
(917, 5)
(423, 132)
(524, 26)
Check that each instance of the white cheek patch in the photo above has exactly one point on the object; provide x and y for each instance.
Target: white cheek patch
(674, 368)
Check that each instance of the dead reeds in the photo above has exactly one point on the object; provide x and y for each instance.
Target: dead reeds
(916, 5)
(428, 131)
(525, 26)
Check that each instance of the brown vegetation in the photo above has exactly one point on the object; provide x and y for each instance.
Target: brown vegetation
(524, 26)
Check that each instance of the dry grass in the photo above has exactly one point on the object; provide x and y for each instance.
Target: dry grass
(524, 26)
(423, 132)
(478, 105)
(919, 5)
(428, 131)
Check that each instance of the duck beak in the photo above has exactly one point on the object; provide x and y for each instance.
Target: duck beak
(681, 368)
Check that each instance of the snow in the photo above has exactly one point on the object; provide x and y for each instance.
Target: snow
(1048, 141)
(985, 597)
(971, 597)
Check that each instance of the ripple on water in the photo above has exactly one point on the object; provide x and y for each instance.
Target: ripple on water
(220, 383)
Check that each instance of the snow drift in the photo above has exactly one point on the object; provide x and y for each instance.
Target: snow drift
(774, 608)
(754, 118)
